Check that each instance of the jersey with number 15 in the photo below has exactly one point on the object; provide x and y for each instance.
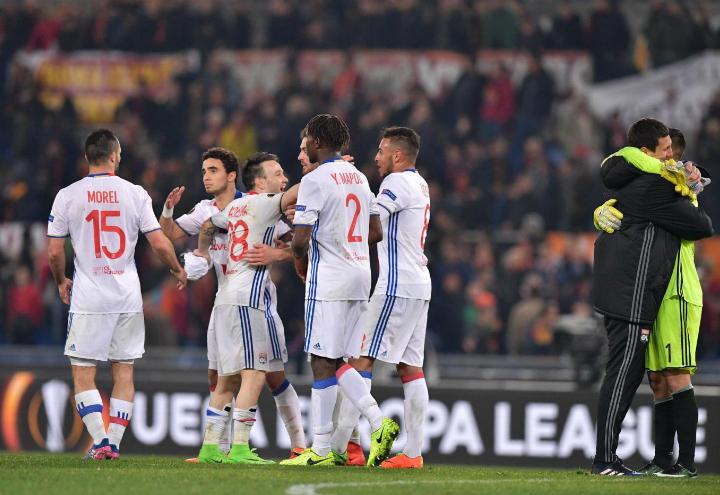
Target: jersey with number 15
(102, 214)
(336, 201)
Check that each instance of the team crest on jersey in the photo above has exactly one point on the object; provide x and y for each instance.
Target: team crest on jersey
(389, 193)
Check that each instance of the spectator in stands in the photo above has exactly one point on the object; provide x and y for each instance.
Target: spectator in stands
(608, 40)
(24, 307)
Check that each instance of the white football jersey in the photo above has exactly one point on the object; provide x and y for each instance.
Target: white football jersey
(336, 201)
(102, 214)
(249, 220)
(404, 202)
(191, 222)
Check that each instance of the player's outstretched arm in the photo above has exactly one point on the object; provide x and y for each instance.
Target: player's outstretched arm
(162, 246)
(56, 257)
(262, 254)
(167, 224)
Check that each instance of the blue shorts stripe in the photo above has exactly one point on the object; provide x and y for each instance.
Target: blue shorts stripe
(381, 326)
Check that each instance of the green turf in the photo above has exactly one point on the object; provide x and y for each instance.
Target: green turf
(134, 475)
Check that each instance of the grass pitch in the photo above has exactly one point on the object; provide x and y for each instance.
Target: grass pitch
(134, 475)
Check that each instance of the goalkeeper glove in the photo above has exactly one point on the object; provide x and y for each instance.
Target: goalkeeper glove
(607, 218)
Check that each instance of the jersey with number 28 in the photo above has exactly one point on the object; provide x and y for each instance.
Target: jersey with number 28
(103, 214)
(249, 220)
(336, 201)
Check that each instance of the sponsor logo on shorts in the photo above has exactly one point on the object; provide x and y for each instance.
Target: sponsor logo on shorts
(72, 347)
(262, 358)
(317, 347)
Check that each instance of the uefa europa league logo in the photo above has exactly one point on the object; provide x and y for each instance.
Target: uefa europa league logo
(55, 396)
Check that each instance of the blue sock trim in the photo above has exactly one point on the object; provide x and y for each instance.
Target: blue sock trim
(92, 408)
(366, 374)
(105, 442)
(283, 386)
(210, 412)
(327, 382)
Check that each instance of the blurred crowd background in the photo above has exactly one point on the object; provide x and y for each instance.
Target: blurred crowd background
(512, 163)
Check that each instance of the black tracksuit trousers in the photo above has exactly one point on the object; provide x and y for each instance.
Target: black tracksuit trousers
(623, 374)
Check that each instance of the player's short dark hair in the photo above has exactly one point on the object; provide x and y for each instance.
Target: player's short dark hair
(227, 157)
(645, 133)
(405, 138)
(99, 145)
(330, 131)
(253, 167)
(678, 141)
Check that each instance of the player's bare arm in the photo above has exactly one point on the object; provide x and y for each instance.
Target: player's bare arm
(207, 231)
(167, 224)
(289, 198)
(56, 257)
(375, 234)
(162, 246)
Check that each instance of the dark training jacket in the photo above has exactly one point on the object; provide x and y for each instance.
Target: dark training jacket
(633, 265)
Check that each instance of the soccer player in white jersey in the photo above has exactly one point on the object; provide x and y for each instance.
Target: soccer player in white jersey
(399, 305)
(220, 170)
(335, 219)
(102, 215)
(238, 328)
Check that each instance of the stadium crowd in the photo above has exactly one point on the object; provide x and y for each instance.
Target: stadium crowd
(507, 164)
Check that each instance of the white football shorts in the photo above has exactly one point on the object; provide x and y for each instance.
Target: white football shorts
(395, 332)
(334, 329)
(105, 336)
(237, 339)
(276, 340)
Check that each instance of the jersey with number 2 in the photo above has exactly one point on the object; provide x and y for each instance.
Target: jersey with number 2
(335, 200)
(103, 214)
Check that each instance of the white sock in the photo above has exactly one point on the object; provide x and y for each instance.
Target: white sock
(216, 423)
(243, 420)
(226, 438)
(416, 403)
(346, 424)
(288, 405)
(323, 396)
(354, 388)
(90, 407)
(120, 414)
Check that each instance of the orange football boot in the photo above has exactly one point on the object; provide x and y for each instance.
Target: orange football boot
(401, 461)
(355, 455)
(296, 452)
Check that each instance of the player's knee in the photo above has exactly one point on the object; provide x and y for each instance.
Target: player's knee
(404, 369)
(274, 379)
(658, 385)
(677, 380)
(212, 379)
(363, 363)
(323, 367)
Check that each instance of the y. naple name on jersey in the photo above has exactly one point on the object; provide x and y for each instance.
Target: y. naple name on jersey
(102, 197)
(346, 178)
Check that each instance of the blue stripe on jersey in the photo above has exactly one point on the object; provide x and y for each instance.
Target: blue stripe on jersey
(272, 328)
(92, 408)
(365, 374)
(314, 261)
(259, 278)
(381, 326)
(391, 288)
(327, 382)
